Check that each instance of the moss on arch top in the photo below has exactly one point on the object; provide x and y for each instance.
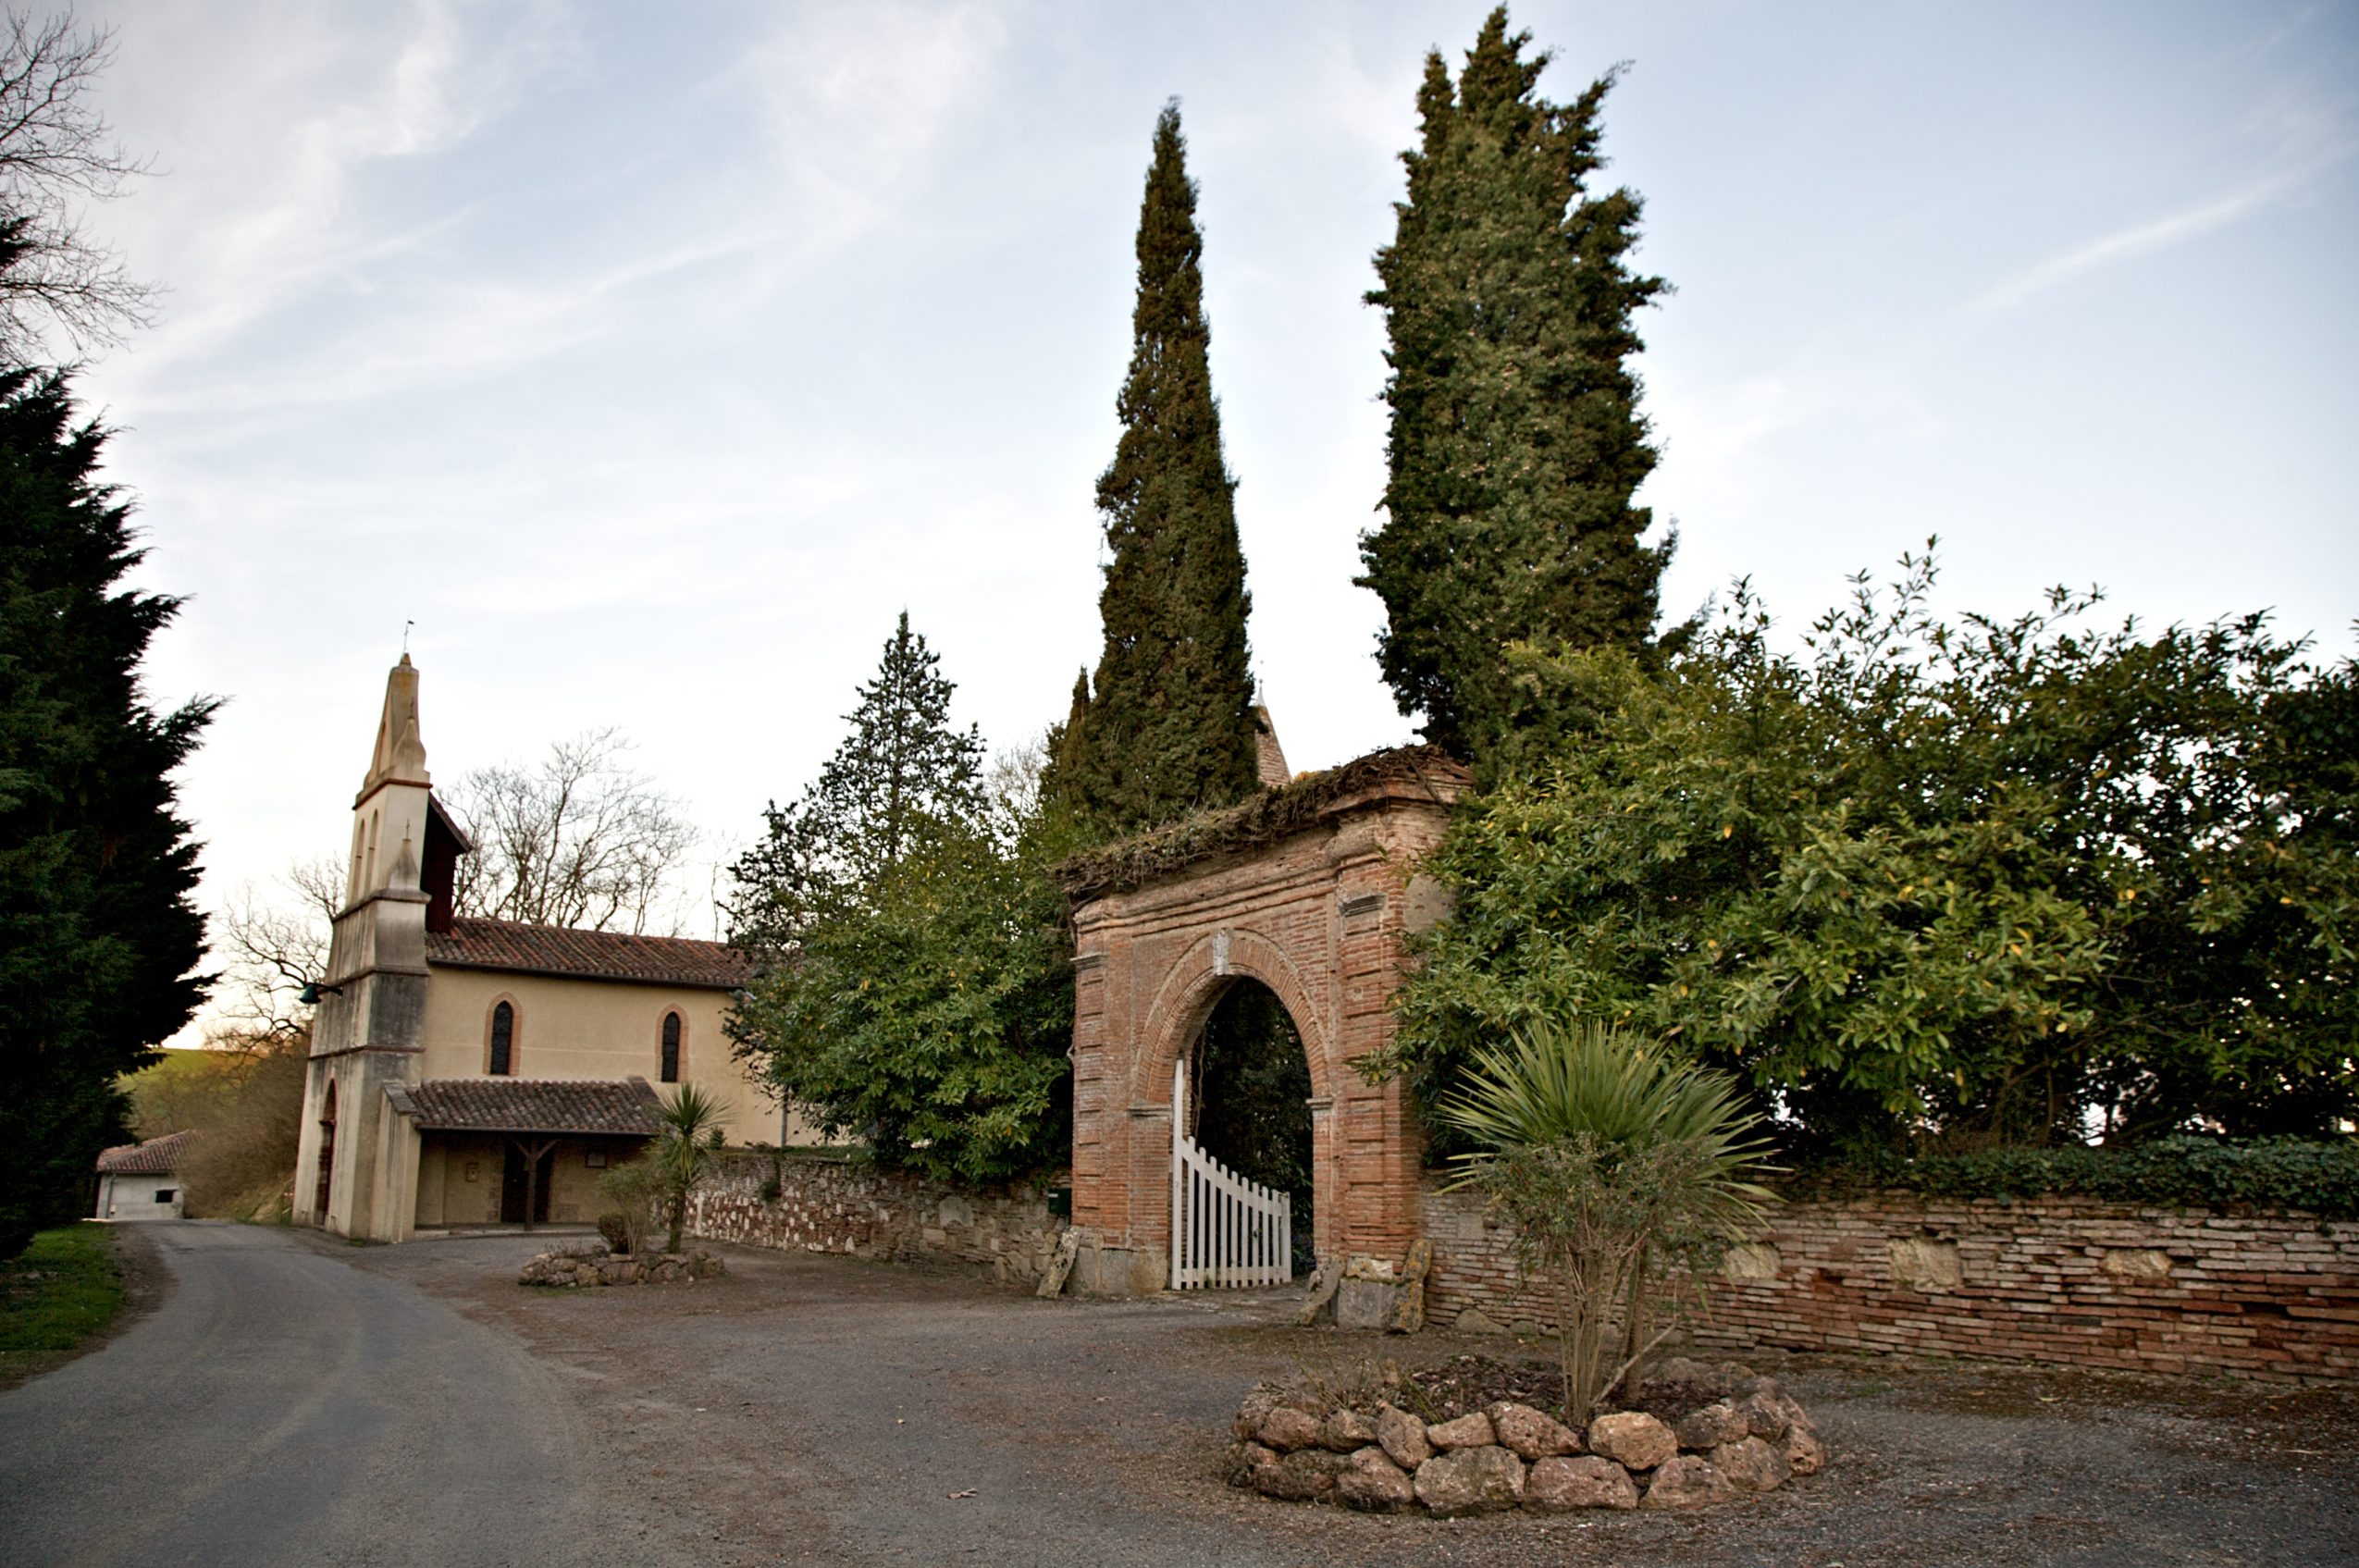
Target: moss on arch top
(1421, 773)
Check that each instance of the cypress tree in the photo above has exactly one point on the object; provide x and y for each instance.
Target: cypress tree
(98, 940)
(1168, 727)
(1516, 441)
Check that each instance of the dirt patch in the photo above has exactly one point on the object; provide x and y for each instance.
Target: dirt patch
(810, 1410)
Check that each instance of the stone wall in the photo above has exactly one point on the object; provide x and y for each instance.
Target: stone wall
(827, 1205)
(2057, 1280)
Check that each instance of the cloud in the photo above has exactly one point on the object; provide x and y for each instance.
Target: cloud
(857, 100)
(2144, 238)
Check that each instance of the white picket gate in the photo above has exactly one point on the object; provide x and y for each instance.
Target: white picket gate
(1225, 1229)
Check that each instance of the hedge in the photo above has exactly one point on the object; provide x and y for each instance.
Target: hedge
(2278, 1173)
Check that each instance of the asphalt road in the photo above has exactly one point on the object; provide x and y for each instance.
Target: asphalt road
(283, 1407)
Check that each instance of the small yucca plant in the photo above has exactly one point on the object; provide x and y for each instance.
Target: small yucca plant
(1616, 1162)
(682, 1152)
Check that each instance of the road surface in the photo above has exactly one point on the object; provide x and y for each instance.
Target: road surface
(284, 1407)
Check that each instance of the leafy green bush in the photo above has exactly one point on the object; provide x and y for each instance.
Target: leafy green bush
(1964, 881)
(2290, 1173)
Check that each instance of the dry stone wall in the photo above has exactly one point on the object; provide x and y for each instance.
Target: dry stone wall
(2069, 1280)
(827, 1205)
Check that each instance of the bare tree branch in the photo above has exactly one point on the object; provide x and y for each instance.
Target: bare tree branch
(576, 839)
(57, 148)
(270, 951)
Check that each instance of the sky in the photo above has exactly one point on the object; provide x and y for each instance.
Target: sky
(653, 361)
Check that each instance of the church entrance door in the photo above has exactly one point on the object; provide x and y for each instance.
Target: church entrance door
(523, 1185)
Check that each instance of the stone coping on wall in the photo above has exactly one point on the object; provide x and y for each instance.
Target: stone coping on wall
(2069, 1280)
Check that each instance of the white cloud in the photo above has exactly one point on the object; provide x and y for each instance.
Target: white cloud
(2128, 244)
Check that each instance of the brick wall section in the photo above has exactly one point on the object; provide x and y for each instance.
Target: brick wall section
(2061, 1280)
(838, 1207)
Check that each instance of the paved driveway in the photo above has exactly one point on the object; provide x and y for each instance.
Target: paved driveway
(295, 1402)
(818, 1410)
(284, 1407)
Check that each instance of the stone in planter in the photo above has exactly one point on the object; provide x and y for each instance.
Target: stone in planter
(1469, 1431)
(1346, 1431)
(1258, 1403)
(1403, 1437)
(1765, 1416)
(1372, 1483)
(1752, 1465)
(1805, 1454)
(1474, 1480)
(1712, 1426)
(1237, 1466)
(1633, 1439)
(1304, 1476)
(1286, 1429)
(1531, 1434)
(1688, 1482)
(1560, 1484)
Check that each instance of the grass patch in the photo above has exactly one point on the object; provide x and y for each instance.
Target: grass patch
(65, 1287)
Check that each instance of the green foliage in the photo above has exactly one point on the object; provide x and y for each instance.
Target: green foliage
(902, 780)
(1974, 882)
(64, 1288)
(1169, 727)
(925, 1004)
(1617, 1164)
(933, 1022)
(633, 1194)
(1517, 443)
(1251, 1093)
(98, 940)
(2289, 1173)
(682, 1153)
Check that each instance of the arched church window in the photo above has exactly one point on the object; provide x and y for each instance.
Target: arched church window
(671, 1047)
(503, 1039)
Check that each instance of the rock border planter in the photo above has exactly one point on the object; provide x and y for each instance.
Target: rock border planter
(1737, 1433)
(570, 1269)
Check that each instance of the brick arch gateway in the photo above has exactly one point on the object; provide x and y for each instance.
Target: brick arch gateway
(1309, 889)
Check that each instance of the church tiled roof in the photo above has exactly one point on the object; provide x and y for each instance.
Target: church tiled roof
(157, 1156)
(473, 944)
(524, 1105)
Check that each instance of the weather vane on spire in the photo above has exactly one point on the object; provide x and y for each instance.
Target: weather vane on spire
(405, 637)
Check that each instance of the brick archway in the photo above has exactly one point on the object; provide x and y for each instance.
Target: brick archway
(1308, 890)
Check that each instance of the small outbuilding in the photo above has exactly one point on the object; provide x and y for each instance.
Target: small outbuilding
(139, 1181)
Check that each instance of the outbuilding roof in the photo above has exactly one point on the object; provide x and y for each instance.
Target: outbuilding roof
(511, 945)
(627, 1107)
(157, 1156)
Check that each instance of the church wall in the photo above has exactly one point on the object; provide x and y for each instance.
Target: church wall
(594, 1029)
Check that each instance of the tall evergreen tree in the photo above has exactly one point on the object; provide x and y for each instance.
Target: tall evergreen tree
(1517, 442)
(98, 939)
(901, 780)
(1168, 728)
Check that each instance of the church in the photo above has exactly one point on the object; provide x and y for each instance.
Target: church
(468, 1072)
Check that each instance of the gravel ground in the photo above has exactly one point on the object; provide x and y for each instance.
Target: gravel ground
(810, 1410)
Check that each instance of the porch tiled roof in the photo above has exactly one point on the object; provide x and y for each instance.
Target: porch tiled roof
(157, 1156)
(475, 944)
(627, 1107)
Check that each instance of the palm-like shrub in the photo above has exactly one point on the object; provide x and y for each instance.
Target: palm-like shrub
(1623, 1170)
(682, 1153)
